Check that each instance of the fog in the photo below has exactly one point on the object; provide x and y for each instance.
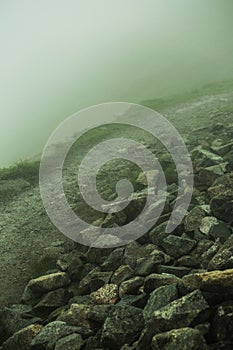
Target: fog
(57, 57)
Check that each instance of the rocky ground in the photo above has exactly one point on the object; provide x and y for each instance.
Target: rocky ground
(163, 291)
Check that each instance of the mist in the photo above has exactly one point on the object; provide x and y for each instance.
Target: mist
(60, 56)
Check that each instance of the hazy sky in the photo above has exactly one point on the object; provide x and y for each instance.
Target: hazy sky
(58, 56)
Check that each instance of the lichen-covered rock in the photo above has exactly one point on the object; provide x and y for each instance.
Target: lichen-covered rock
(159, 298)
(22, 339)
(123, 273)
(93, 281)
(193, 219)
(70, 342)
(50, 334)
(52, 301)
(131, 286)
(180, 313)
(212, 281)
(108, 294)
(76, 315)
(156, 280)
(178, 246)
(123, 325)
(46, 283)
(179, 339)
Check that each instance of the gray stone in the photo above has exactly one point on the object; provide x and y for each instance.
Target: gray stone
(179, 339)
(180, 313)
(70, 342)
(159, 298)
(123, 325)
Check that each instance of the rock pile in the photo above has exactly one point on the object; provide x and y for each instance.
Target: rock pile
(163, 291)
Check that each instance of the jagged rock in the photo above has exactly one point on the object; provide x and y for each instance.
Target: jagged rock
(72, 264)
(193, 219)
(179, 339)
(207, 176)
(70, 342)
(205, 158)
(44, 284)
(134, 300)
(177, 246)
(222, 149)
(156, 280)
(114, 260)
(14, 318)
(76, 315)
(178, 271)
(123, 325)
(209, 254)
(50, 334)
(159, 298)
(108, 294)
(222, 206)
(123, 273)
(146, 266)
(222, 326)
(223, 259)
(99, 313)
(131, 286)
(22, 339)
(52, 301)
(93, 281)
(183, 312)
(214, 228)
(188, 261)
(212, 281)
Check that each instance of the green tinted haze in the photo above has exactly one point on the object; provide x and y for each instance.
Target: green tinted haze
(59, 56)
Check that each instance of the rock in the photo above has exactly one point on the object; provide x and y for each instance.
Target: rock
(178, 271)
(178, 246)
(93, 281)
(99, 313)
(222, 260)
(222, 206)
(146, 266)
(193, 219)
(207, 176)
(76, 315)
(50, 334)
(215, 228)
(204, 158)
(14, 318)
(222, 150)
(159, 298)
(208, 255)
(108, 294)
(123, 273)
(131, 286)
(114, 260)
(139, 300)
(179, 339)
(152, 175)
(183, 312)
(212, 281)
(72, 264)
(188, 261)
(22, 339)
(70, 342)
(222, 325)
(52, 301)
(47, 283)
(156, 280)
(123, 325)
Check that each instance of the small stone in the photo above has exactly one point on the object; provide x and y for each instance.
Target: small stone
(77, 315)
(93, 281)
(205, 158)
(52, 301)
(178, 271)
(108, 294)
(193, 219)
